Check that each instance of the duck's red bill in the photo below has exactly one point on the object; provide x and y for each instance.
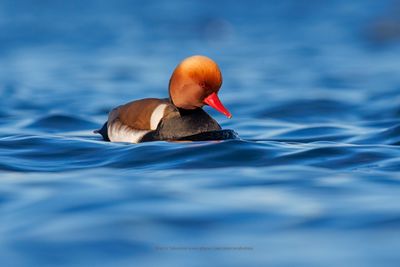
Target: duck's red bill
(214, 102)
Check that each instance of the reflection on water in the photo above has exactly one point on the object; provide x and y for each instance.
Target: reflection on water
(312, 180)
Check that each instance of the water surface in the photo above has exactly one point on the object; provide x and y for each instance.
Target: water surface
(314, 89)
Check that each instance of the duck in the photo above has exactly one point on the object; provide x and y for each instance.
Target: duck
(194, 83)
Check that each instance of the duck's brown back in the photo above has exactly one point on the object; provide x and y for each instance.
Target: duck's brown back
(137, 114)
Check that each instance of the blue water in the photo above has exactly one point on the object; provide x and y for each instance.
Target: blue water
(314, 180)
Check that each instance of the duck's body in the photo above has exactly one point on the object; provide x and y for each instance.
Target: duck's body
(154, 119)
(194, 83)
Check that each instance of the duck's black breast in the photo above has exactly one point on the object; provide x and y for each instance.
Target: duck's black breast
(180, 124)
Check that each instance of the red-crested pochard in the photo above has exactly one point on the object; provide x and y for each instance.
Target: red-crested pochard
(194, 83)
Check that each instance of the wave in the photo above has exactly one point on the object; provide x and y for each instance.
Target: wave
(310, 110)
(61, 123)
(389, 136)
(51, 153)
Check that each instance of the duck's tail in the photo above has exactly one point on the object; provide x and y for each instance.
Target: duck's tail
(103, 131)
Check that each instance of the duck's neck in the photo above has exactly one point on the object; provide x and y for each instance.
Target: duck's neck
(185, 112)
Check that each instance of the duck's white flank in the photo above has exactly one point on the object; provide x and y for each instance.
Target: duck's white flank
(118, 132)
(157, 115)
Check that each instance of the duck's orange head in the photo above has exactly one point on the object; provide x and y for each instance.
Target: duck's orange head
(195, 82)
